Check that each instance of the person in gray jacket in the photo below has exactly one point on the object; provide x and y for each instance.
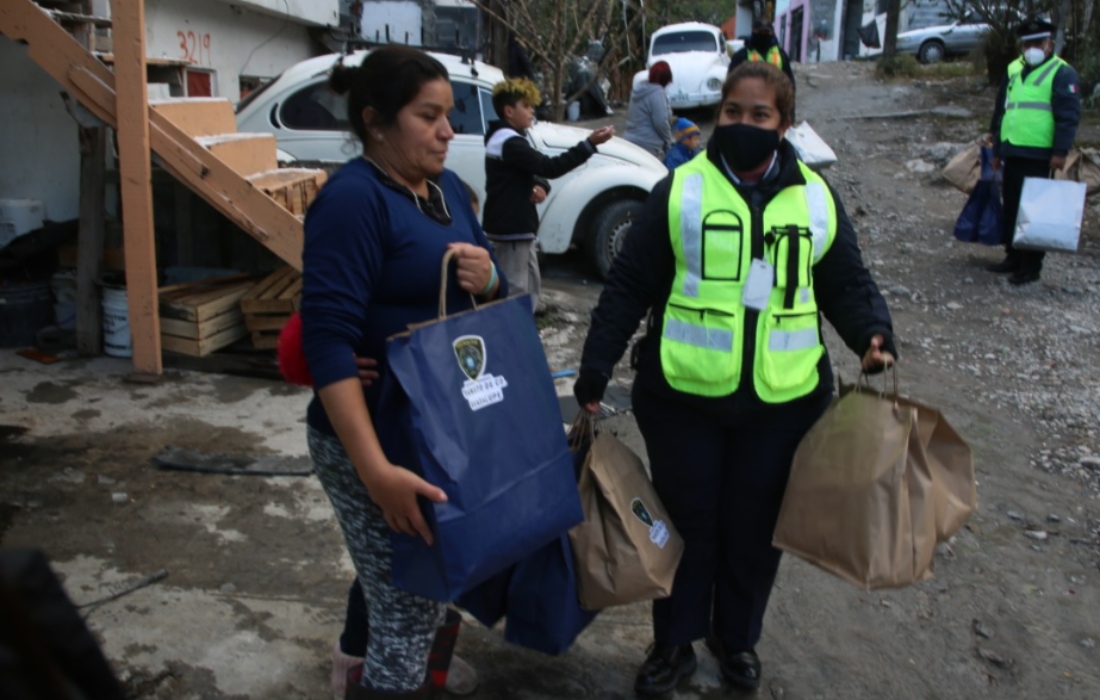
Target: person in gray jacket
(649, 117)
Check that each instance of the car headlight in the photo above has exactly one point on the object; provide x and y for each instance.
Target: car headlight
(714, 84)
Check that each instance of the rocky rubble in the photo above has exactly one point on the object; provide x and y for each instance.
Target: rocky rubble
(1033, 350)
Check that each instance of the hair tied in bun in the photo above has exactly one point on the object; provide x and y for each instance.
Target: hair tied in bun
(339, 80)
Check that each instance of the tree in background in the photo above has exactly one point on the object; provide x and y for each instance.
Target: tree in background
(555, 32)
(1078, 38)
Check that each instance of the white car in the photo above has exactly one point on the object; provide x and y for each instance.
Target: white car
(591, 207)
(698, 56)
(933, 44)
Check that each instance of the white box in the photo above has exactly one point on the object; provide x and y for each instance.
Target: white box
(19, 216)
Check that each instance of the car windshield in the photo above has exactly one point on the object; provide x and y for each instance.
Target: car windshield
(684, 41)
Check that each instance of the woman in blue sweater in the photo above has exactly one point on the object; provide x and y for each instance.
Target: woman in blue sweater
(374, 240)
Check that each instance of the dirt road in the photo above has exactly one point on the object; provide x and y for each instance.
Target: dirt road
(257, 573)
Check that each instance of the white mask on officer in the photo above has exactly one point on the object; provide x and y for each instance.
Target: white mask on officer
(1034, 55)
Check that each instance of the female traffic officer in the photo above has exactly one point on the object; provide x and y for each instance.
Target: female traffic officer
(374, 240)
(735, 257)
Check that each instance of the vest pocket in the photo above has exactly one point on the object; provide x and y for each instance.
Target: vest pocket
(789, 351)
(699, 352)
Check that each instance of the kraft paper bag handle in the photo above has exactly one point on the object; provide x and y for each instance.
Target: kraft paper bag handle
(865, 379)
(583, 427)
(447, 257)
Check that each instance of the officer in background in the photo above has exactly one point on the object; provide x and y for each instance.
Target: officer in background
(763, 46)
(1034, 123)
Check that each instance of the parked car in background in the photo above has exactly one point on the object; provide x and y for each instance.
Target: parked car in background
(591, 207)
(698, 56)
(933, 44)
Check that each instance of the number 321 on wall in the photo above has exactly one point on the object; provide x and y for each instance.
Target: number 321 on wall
(195, 47)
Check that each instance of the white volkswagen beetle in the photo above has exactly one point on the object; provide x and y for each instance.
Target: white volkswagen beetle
(699, 58)
(591, 206)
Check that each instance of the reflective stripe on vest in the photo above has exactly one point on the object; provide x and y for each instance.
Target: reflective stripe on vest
(774, 57)
(711, 229)
(1029, 118)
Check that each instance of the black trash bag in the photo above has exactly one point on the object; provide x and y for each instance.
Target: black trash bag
(868, 34)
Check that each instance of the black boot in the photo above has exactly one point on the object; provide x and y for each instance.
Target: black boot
(740, 668)
(663, 669)
(1011, 263)
(1023, 277)
(357, 691)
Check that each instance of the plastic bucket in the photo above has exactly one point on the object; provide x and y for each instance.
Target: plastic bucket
(63, 285)
(116, 323)
(25, 307)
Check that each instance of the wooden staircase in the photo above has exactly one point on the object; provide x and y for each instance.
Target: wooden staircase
(195, 140)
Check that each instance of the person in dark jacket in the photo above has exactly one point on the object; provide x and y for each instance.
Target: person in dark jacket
(516, 175)
(1032, 137)
(735, 257)
(763, 46)
(374, 240)
(519, 62)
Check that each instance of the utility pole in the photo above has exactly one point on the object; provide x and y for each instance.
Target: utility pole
(890, 42)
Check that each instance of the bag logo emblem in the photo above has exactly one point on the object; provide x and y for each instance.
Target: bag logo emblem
(641, 512)
(480, 389)
(658, 531)
(470, 352)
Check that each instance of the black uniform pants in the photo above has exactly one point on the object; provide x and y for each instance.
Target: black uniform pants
(721, 479)
(1015, 170)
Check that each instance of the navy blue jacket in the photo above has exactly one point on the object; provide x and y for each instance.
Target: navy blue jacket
(371, 267)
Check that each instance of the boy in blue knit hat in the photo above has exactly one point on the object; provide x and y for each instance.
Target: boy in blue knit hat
(686, 137)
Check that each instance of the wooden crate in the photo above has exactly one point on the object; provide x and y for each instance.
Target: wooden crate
(269, 304)
(198, 318)
(293, 188)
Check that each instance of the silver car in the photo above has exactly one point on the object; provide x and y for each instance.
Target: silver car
(933, 44)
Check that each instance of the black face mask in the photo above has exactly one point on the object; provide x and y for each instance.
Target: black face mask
(745, 147)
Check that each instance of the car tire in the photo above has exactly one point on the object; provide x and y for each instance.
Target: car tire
(608, 232)
(931, 52)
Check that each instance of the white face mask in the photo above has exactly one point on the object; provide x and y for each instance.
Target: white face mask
(1034, 56)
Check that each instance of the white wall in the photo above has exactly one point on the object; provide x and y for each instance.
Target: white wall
(400, 15)
(41, 151)
(229, 40)
(38, 138)
(317, 12)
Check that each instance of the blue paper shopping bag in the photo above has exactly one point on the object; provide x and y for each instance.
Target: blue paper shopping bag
(543, 605)
(482, 422)
(982, 218)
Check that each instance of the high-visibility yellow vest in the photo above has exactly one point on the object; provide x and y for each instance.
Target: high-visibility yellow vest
(712, 230)
(1015, 67)
(1029, 117)
(774, 57)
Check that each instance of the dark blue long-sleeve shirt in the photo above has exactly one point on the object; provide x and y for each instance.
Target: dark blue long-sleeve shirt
(371, 267)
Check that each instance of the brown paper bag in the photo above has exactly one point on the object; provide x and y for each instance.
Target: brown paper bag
(627, 549)
(964, 170)
(1082, 166)
(874, 485)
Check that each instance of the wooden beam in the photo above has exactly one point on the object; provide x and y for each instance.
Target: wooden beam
(89, 81)
(89, 262)
(136, 176)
